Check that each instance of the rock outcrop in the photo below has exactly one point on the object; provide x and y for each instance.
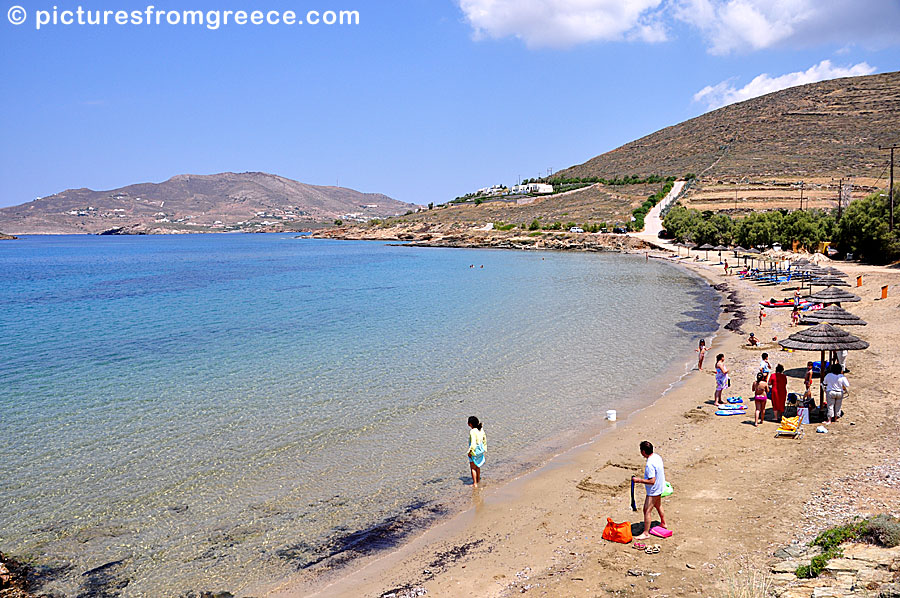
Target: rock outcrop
(450, 236)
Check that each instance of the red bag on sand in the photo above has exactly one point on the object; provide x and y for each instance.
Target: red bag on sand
(617, 532)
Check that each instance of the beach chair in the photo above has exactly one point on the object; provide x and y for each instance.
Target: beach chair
(790, 427)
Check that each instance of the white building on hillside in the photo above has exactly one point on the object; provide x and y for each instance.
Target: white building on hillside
(536, 188)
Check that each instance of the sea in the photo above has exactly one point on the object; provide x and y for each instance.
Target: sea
(195, 413)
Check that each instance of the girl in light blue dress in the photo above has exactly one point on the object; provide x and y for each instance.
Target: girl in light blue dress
(477, 449)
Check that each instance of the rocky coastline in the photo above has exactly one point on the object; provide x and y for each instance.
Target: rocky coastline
(7, 237)
(480, 238)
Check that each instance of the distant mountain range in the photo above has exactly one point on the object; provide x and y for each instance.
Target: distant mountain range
(824, 129)
(249, 201)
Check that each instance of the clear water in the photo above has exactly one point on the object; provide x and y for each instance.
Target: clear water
(209, 412)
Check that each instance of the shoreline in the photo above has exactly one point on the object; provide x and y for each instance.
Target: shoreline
(506, 553)
(529, 464)
(306, 583)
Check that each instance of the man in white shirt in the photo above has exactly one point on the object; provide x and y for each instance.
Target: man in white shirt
(655, 480)
(836, 385)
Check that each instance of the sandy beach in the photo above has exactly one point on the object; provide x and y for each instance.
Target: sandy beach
(739, 494)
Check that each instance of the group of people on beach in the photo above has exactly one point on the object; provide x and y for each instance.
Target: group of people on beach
(771, 385)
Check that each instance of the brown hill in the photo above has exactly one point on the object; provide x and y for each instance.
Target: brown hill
(198, 203)
(824, 129)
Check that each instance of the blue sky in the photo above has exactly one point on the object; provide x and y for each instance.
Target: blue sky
(424, 100)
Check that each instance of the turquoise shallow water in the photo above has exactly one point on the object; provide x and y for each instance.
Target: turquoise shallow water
(213, 411)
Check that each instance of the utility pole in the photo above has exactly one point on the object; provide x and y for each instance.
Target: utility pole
(840, 198)
(801, 197)
(891, 186)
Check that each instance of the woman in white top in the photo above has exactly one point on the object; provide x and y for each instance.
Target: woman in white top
(836, 386)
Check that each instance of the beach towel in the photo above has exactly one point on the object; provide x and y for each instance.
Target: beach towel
(660, 531)
(617, 532)
(477, 455)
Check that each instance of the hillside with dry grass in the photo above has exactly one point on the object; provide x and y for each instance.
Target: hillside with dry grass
(826, 129)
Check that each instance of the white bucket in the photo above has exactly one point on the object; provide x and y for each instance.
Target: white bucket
(611, 415)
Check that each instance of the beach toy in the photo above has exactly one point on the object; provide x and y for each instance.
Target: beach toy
(732, 412)
(734, 400)
(611, 415)
(731, 407)
(660, 531)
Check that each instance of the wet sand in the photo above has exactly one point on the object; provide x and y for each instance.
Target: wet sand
(740, 493)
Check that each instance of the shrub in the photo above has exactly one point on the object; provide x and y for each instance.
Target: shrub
(338, 222)
(830, 541)
(883, 530)
(535, 224)
(748, 584)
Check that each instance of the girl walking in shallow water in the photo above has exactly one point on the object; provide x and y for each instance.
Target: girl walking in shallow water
(477, 449)
(702, 351)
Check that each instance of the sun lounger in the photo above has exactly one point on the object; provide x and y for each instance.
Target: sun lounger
(790, 427)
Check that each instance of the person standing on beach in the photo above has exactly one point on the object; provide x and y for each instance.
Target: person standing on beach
(702, 351)
(721, 378)
(764, 366)
(778, 388)
(655, 480)
(760, 392)
(836, 385)
(807, 381)
(762, 314)
(477, 449)
(795, 316)
(726, 267)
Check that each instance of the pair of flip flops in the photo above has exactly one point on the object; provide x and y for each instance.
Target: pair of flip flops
(654, 549)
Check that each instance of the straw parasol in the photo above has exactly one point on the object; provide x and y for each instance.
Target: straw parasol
(835, 272)
(833, 314)
(833, 295)
(828, 281)
(823, 337)
(706, 247)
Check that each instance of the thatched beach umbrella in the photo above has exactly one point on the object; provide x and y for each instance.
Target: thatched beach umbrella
(706, 247)
(753, 252)
(720, 249)
(833, 295)
(834, 315)
(823, 337)
(828, 281)
(832, 271)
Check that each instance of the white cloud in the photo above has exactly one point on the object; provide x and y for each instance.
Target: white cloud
(746, 25)
(565, 23)
(724, 93)
(726, 25)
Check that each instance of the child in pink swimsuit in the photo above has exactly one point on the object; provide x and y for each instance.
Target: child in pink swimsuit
(760, 392)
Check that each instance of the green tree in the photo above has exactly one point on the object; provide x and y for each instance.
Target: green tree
(863, 229)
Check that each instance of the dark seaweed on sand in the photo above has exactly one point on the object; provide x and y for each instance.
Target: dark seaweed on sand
(346, 545)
